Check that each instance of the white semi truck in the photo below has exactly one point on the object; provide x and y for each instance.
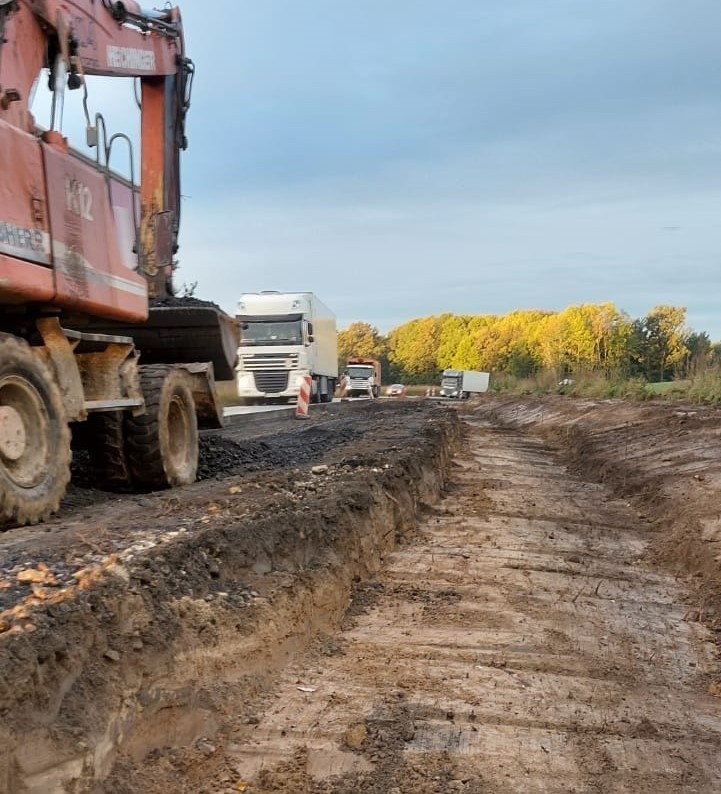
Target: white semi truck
(285, 336)
(459, 384)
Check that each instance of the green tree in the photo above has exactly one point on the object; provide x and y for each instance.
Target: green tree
(699, 355)
(658, 343)
(715, 354)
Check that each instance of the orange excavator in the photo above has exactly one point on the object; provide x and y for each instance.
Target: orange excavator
(94, 343)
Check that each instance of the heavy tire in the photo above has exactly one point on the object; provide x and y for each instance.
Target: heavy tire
(106, 448)
(162, 444)
(34, 436)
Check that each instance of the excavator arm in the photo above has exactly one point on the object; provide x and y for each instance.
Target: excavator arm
(112, 39)
(121, 39)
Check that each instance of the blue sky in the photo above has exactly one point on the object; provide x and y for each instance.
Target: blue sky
(412, 157)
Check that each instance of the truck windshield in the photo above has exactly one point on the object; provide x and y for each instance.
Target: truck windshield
(360, 372)
(271, 333)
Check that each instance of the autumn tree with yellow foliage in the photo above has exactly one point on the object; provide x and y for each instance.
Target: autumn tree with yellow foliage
(588, 338)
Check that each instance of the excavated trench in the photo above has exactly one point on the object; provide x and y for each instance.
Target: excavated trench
(127, 621)
(513, 594)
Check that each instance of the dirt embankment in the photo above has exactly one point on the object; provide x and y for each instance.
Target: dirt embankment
(384, 599)
(663, 458)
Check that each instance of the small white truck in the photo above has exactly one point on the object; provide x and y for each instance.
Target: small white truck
(285, 336)
(459, 384)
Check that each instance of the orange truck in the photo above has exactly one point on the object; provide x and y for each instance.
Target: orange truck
(363, 377)
(92, 334)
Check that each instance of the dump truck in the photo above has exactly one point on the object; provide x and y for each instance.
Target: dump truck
(284, 338)
(95, 344)
(363, 377)
(459, 384)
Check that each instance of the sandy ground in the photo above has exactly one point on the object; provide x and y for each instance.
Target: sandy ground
(507, 595)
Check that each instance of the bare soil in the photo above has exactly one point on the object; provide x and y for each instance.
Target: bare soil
(503, 595)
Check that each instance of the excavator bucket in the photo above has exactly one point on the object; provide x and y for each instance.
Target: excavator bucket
(185, 330)
(179, 333)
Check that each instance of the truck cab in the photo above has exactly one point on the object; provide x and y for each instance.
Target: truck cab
(364, 377)
(459, 384)
(284, 338)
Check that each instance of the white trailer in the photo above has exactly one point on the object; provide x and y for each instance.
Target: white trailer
(285, 336)
(459, 384)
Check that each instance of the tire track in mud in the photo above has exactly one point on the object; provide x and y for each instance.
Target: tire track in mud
(521, 644)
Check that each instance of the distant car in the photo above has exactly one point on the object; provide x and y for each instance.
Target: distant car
(396, 390)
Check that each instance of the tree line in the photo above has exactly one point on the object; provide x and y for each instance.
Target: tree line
(579, 339)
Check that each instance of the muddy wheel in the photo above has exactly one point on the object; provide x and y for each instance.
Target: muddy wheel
(162, 444)
(34, 436)
(106, 448)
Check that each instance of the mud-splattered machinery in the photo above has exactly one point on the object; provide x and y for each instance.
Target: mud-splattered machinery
(91, 333)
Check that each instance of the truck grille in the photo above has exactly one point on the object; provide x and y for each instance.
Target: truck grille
(270, 361)
(270, 370)
(270, 382)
